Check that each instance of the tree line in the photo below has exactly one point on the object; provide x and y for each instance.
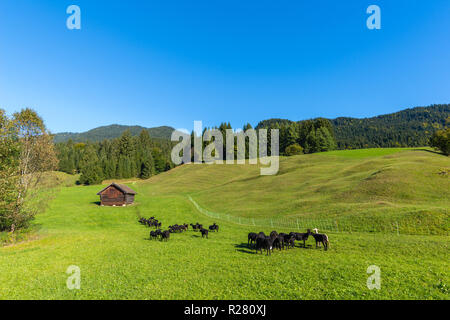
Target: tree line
(309, 136)
(407, 128)
(121, 158)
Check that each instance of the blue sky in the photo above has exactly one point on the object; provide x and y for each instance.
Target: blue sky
(171, 62)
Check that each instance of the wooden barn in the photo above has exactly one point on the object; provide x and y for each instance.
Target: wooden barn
(116, 195)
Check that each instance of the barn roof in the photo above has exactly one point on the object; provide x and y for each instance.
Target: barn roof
(125, 189)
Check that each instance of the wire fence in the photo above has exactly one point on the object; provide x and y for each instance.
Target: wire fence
(338, 225)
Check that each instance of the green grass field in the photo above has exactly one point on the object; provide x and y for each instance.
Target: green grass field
(118, 261)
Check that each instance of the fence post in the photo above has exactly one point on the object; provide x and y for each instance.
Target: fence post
(337, 228)
(397, 227)
(253, 222)
(298, 227)
(271, 223)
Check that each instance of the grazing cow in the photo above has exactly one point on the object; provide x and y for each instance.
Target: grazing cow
(153, 235)
(177, 228)
(214, 227)
(303, 237)
(290, 242)
(197, 226)
(265, 243)
(153, 223)
(278, 242)
(165, 235)
(259, 238)
(321, 238)
(251, 238)
(204, 233)
(259, 243)
(261, 235)
(286, 238)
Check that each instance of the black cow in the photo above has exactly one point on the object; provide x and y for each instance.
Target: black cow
(214, 227)
(261, 235)
(197, 226)
(265, 243)
(204, 233)
(303, 236)
(289, 241)
(278, 242)
(251, 238)
(165, 235)
(321, 238)
(153, 235)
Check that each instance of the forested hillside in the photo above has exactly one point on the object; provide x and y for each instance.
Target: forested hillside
(111, 132)
(406, 128)
(141, 154)
(125, 157)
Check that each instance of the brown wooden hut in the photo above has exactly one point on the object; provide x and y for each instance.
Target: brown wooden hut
(116, 195)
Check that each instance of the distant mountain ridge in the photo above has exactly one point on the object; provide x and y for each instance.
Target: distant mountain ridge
(111, 132)
(406, 128)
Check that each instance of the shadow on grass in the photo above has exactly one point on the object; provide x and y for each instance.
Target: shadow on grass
(431, 151)
(98, 203)
(244, 248)
(308, 246)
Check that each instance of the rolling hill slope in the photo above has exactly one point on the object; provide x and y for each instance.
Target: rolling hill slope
(384, 185)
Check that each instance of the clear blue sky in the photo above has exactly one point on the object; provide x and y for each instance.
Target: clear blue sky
(171, 62)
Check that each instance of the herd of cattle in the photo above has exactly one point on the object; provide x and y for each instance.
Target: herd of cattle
(281, 241)
(259, 241)
(165, 235)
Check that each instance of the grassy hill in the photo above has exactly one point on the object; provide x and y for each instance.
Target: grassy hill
(118, 261)
(111, 132)
(382, 186)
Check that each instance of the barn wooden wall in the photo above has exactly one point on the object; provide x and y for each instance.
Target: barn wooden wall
(113, 197)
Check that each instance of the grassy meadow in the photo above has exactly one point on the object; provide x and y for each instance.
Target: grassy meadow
(118, 261)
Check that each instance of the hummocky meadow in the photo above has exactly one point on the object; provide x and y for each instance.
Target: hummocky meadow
(404, 193)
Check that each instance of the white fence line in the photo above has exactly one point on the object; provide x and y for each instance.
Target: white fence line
(345, 224)
(298, 224)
